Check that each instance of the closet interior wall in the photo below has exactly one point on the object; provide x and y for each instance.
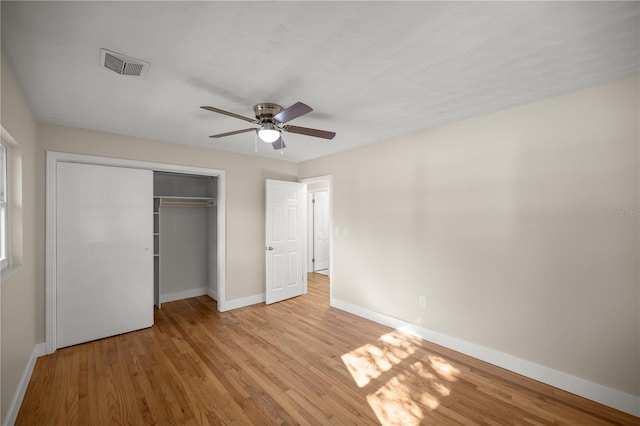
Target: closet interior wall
(185, 225)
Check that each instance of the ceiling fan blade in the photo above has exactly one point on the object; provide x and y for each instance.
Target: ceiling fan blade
(310, 132)
(279, 144)
(235, 132)
(294, 111)
(230, 114)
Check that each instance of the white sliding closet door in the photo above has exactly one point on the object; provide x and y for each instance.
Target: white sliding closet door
(104, 263)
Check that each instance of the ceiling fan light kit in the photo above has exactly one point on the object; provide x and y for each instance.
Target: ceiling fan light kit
(268, 133)
(271, 119)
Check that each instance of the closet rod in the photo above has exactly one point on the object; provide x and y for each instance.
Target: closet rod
(186, 203)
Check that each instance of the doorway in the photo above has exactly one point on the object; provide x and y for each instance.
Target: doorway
(319, 229)
(185, 236)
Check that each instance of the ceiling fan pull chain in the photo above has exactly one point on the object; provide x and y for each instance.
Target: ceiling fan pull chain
(255, 140)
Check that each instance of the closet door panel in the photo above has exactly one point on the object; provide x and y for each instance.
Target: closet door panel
(105, 257)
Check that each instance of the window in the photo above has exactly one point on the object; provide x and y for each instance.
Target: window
(4, 207)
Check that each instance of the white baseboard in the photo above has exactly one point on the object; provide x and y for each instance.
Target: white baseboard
(179, 295)
(12, 414)
(241, 302)
(613, 398)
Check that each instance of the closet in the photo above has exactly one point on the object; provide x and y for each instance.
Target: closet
(123, 236)
(184, 227)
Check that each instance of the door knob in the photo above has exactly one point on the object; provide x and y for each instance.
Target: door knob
(269, 248)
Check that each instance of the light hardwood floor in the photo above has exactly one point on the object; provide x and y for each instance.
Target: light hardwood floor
(295, 362)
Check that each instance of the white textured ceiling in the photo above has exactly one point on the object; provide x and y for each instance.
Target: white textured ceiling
(371, 70)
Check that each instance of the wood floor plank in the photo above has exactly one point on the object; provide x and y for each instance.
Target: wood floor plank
(295, 362)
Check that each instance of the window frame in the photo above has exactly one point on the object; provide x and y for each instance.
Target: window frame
(5, 203)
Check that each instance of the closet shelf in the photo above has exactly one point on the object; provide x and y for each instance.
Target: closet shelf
(173, 197)
(186, 201)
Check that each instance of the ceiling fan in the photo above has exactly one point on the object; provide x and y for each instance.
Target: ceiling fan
(271, 119)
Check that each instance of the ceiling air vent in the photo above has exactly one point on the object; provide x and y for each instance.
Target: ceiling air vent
(122, 64)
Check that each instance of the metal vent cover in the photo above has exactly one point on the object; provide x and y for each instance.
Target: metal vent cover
(122, 64)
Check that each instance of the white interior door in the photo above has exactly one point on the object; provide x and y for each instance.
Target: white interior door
(104, 278)
(321, 231)
(285, 240)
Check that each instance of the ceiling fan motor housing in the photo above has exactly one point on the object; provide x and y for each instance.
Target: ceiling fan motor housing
(266, 111)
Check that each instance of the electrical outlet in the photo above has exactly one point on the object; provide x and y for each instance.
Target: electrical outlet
(422, 301)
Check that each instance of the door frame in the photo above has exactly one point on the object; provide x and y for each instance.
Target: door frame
(53, 158)
(329, 179)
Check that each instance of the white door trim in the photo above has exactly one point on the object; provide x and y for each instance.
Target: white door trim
(53, 158)
(326, 178)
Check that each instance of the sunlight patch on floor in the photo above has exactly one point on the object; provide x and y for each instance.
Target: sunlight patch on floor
(443, 368)
(371, 360)
(366, 363)
(403, 389)
(393, 407)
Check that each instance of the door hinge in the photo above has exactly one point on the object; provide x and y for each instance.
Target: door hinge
(313, 200)
(313, 260)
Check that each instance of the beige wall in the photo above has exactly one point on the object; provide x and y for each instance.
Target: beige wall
(507, 224)
(318, 186)
(19, 292)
